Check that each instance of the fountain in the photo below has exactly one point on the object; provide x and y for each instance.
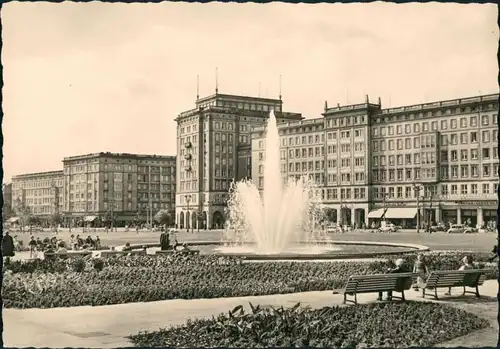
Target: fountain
(286, 218)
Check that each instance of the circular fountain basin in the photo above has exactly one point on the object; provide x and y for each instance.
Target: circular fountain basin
(248, 249)
(319, 250)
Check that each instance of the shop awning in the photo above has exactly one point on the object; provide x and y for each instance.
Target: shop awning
(90, 218)
(376, 213)
(401, 213)
(13, 219)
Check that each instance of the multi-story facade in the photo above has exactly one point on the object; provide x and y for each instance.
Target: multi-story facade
(40, 192)
(213, 149)
(439, 158)
(125, 186)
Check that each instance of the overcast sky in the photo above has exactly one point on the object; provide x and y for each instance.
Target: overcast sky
(90, 77)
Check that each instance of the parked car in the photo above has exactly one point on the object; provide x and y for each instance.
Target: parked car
(461, 229)
(333, 228)
(389, 228)
(438, 227)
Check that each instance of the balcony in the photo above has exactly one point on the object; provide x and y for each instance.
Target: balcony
(188, 156)
(188, 145)
(187, 167)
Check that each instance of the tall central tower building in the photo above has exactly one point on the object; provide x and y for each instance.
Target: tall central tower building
(213, 149)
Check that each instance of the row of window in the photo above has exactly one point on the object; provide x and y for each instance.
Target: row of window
(430, 157)
(429, 193)
(345, 193)
(454, 172)
(472, 121)
(37, 184)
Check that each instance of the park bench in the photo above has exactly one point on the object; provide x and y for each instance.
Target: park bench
(121, 253)
(454, 278)
(69, 255)
(397, 282)
(189, 252)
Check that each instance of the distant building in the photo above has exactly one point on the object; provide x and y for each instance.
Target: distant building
(371, 162)
(39, 192)
(7, 201)
(213, 149)
(126, 187)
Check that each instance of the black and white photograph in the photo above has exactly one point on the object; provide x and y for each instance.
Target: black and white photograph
(250, 175)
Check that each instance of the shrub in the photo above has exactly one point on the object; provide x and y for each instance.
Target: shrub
(98, 264)
(392, 325)
(127, 279)
(78, 265)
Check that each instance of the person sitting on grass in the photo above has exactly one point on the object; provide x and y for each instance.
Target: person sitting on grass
(420, 268)
(466, 265)
(127, 247)
(400, 268)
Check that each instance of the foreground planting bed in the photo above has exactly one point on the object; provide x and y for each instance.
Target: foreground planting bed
(392, 325)
(126, 279)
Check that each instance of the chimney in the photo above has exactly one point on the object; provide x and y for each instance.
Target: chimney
(379, 101)
(367, 100)
(326, 105)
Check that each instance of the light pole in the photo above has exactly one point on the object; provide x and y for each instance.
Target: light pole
(188, 199)
(416, 188)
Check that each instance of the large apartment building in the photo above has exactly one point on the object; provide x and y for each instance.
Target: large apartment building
(39, 192)
(126, 186)
(213, 149)
(438, 158)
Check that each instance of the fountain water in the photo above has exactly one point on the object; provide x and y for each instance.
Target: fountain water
(288, 212)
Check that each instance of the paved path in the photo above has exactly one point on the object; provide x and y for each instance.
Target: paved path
(106, 326)
(437, 241)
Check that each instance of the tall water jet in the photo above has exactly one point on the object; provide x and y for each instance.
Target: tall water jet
(285, 214)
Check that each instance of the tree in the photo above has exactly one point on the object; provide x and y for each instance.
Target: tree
(109, 218)
(162, 217)
(24, 213)
(55, 219)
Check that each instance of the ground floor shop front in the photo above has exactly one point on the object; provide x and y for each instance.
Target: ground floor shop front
(480, 214)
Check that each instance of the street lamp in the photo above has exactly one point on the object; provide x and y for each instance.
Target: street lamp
(416, 188)
(188, 200)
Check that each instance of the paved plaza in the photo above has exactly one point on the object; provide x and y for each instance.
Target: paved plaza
(481, 242)
(107, 326)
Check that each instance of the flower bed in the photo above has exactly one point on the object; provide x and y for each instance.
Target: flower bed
(124, 279)
(391, 325)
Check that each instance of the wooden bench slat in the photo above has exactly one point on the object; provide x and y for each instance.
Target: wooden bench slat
(472, 278)
(397, 282)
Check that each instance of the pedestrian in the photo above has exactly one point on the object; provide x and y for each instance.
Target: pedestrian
(420, 268)
(97, 243)
(7, 246)
(137, 229)
(32, 245)
(164, 240)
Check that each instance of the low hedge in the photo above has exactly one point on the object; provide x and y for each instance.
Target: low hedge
(127, 279)
(390, 325)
